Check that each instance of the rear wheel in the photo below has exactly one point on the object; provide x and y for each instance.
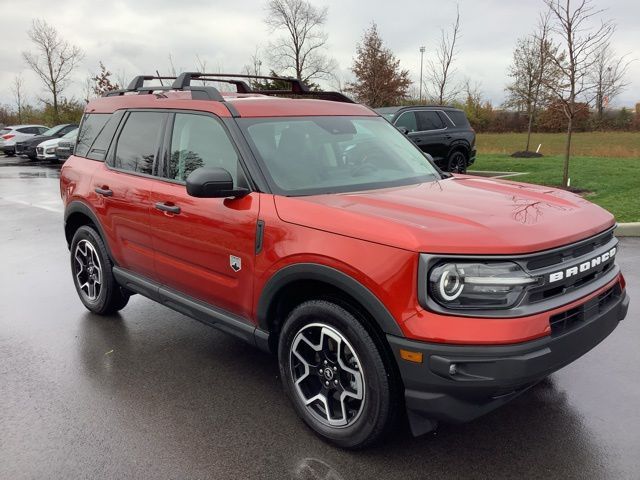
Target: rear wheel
(92, 273)
(335, 375)
(457, 162)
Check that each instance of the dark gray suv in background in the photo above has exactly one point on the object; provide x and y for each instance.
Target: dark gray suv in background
(442, 132)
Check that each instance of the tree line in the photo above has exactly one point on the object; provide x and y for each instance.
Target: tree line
(562, 77)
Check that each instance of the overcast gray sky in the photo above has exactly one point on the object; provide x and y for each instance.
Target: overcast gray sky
(135, 37)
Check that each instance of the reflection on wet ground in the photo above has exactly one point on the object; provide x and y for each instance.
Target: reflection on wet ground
(152, 394)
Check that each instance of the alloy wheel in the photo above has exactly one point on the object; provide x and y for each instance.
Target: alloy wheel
(88, 270)
(327, 375)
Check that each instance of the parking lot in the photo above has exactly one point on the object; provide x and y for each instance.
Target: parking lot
(150, 393)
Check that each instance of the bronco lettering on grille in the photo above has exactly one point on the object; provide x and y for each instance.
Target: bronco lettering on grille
(582, 267)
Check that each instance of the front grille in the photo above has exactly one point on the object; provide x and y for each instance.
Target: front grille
(570, 252)
(561, 259)
(40, 150)
(573, 318)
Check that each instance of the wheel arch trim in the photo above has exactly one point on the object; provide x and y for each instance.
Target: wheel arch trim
(77, 206)
(331, 276)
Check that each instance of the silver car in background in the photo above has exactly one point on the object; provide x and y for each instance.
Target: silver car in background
(66, 145)
(17, 133)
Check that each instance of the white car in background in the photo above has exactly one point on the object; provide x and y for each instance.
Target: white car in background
(17, 133)
(47, 149)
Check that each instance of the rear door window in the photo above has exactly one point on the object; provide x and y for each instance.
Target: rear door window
(138, 142)
(408, 121)
(429, 120)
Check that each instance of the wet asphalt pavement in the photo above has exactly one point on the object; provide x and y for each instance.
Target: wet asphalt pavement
(150, 393)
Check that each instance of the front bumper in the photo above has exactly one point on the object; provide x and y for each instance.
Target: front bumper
(457, 383)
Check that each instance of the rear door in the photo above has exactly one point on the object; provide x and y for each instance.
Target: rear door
(123, 186)
(432, 133)
(205, 247)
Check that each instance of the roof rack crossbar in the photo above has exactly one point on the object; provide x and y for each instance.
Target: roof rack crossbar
(297, 86)
(138, 82)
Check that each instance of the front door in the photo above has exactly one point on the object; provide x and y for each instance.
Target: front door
(204, 247)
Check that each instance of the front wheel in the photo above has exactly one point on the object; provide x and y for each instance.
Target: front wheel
(92, 273)
(335, 375)
(457, 162)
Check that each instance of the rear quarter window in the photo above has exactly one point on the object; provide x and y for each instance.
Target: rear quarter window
(458, 118)
(92, 125)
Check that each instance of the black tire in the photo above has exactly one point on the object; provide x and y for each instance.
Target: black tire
(372, 416)
(457, 162)
(108, 297)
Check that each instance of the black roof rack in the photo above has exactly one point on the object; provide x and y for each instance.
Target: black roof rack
(183, 82)
(298, 87)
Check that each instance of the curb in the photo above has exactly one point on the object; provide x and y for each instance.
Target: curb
(628, 229)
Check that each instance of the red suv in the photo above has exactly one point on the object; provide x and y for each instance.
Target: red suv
(312, 228)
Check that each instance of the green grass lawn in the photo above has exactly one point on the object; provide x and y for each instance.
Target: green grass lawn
(614, 183)
(584, 144)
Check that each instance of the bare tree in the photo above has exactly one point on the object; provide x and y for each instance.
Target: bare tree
(441, 69)
(300, 50)
(17, 89)
(201, 66)
(531, 71)
(54, 61)
(121, 78)
(379, 79)
(254, 67)
(608, 76)
(580, 43)
(172, 68)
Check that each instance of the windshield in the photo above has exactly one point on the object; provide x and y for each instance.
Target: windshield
(312, 155)
(53, 130)
(72, 134)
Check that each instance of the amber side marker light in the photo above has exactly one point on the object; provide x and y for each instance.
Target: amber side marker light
(410, 356)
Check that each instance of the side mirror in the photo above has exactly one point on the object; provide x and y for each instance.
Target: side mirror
(212, 182)
(403, 130)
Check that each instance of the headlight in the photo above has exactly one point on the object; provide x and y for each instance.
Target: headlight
(478, 285)
(50, 150)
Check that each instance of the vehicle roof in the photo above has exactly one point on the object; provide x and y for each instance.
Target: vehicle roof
(246, 105)
(407, 107)
(22, 125)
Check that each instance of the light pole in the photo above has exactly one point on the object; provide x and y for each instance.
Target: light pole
(422, 49)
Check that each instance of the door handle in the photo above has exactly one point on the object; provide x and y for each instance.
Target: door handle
(105, 191)
(167, 207)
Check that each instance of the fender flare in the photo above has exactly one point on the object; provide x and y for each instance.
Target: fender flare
(458, 145)
(331, 276)
(77, 206)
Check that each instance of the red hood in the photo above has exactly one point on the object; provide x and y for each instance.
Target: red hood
(463, 214)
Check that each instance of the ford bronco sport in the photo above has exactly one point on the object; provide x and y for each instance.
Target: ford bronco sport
(314, 229)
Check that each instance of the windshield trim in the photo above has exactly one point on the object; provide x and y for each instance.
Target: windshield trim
(243, 124)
